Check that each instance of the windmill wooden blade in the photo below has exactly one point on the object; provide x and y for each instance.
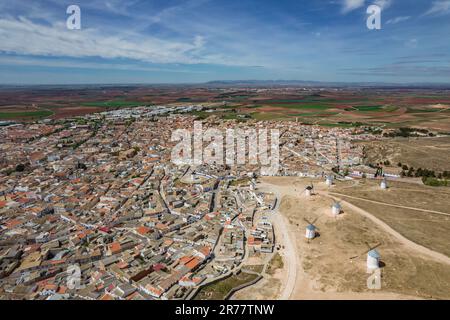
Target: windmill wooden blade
(307, 220)
(359, 255)
(315, 220)
(374, 247)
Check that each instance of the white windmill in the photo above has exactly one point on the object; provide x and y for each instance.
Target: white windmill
(373, 258)
(309, 190)
(336, 209)
(383, 184)
(311, 229)
(329, 180)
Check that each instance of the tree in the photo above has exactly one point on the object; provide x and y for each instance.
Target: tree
(410, 172)
(419, 172)
(405, 167)
(399, 164)
(346, 172)
(81, 166)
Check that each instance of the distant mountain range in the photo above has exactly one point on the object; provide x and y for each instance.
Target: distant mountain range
(242, 83)
(302, 83)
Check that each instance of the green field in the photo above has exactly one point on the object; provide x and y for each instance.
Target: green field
(219, 290)
(201, 114)
(313, 114)
(184, 100)
(25, 114)
(303, 106)
(366, 108)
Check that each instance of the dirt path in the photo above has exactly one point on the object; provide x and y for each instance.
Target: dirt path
(389, 204)
(283, 237)
(408, 243)
(290, 255)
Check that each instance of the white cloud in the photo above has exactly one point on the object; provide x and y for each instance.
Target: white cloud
(80, 64)
(398, 20)
(350, 5)
(439, 7)
(412, 43)
(22, 36)
(383, 4)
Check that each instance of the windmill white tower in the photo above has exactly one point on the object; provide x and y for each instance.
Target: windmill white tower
(336, 209)
(373, 258)
(309, 191)
(310, 229)
(383, 184)
(329, 180)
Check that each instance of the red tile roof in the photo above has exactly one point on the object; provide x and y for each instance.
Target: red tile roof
(194, 263)
(143, 230)
(115, 247)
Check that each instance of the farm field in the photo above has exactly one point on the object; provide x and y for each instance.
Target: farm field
(25, 115)
(350, 109)
(114, 104)
(332, 107)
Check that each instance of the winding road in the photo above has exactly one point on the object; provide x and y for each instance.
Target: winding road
(283, 238)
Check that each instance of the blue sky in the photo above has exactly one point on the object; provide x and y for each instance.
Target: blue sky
(175, 41)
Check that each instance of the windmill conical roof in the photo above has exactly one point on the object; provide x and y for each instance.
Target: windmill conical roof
(374, 254)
